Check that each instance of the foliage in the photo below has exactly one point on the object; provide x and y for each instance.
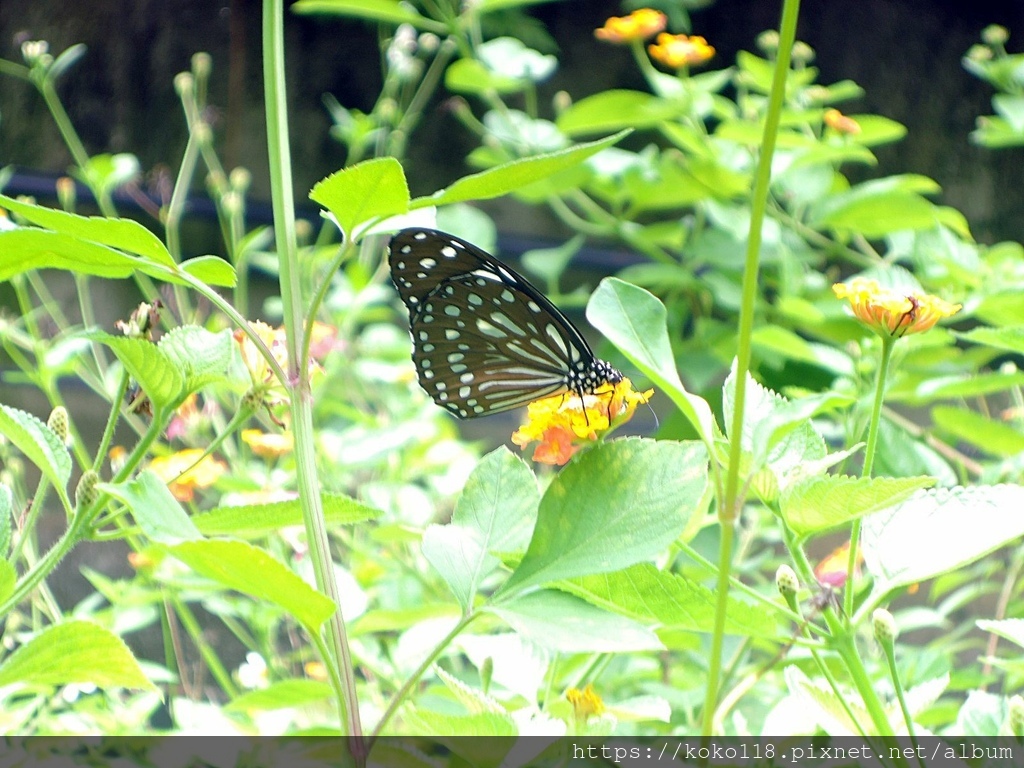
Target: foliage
(478, 595)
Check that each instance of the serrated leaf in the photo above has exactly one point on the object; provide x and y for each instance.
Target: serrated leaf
(202, 356)
(494, 514)
(156, 374)
(154, 508)
(617, 504)
(212, 270)
(28, 249)
(74, 652)
(284, 694)
(487, 751)
(938, 530)
(123, 234)
(252, 520)
(253, 571)
(39, 445)
(648, 595)
(372, 189)
(471, 698)
(634, 320)
(565, 623)
(819, 504)
(502, 179)
(989, 436)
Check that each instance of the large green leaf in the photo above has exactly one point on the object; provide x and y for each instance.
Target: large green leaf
(495, 514)
(648, 595)
(39, 444)
(616, 109)
(284, 694)
(74, 652)
(566, 624)
(988, 435)
(122, 234)
(28, 249)
(202, 356)
(145, 362)
(252, 571)
(634, 320)
(819, 504)
(370, 190)
(390, 11)
(937, 531)
(252, 520)
(502, 179)
(157, 512)
(617, 504)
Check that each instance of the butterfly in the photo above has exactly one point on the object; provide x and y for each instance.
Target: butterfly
(484, 339)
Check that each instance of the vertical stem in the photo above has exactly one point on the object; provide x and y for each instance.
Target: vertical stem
(728, 510)
(297, 379)
(869, 460)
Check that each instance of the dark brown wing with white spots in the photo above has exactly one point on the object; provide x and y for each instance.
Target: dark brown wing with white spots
(484, 339)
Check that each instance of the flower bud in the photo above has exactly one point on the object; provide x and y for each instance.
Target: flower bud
(786, 581)
(85, 492)
(240, 178)
(768, 41)
(66, 193)
(184, 83)
(201, 65)
(884, 626)
(995, 34)
(58, 423)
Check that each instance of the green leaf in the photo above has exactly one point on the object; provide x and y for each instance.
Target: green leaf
(567, 624)
(471, 77)
(1011, 629)
(502, 179)
(1010, 338)
(617, 504)
(202, 356)
(876, 130)
(74, 652)
(647, 595)
(940, 530)
(878, 215)
(253, 520)
(987, 435)
(423, 722)
(145, 362)
(634, 320)
(157, 512)
(495, 514)
(370, 190)
(284, 694)
(28, 249)
(40, 445)
(8, 580)
(123, 234)
(389, 11)
(965, 386)
(6, 518)
(212, 270)
(252, 571)
(617, 109)
(819, 504)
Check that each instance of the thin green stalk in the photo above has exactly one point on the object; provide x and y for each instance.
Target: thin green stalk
(209, 655)
(729, 507)
(297, 379)
(869, 460)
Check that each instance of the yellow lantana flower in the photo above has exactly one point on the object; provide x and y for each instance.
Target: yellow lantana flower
(268, 445)
(639, 25)
(678, 51)
(562, 424)
(893, 311)
(840, 123)
(585, 703)
(187, 470)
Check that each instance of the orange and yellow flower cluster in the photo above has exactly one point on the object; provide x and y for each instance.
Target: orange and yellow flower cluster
(891, 311)
(562, 424)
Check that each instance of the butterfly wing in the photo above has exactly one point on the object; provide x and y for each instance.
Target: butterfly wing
(485, 340)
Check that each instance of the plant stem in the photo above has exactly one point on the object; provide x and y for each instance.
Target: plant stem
(869, 460)
(297, 379)
(729, 508)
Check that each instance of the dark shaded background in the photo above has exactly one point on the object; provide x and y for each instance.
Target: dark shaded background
(905, 53)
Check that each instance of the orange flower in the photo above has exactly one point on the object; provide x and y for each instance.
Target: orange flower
(562, 424)
(187, 470)
(840, 123)
(267, 445)
(639, 25)
(678, 51)
(892, 311)
(585, 703)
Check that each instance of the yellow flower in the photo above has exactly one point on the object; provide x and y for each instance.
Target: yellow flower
(892, 311)
(562, 424)
(267, 445)
(187, 470)
(840, 123)
(678, 51)
(585, 703)
(639, 25)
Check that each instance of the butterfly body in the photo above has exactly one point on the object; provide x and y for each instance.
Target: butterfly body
(484, 339)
